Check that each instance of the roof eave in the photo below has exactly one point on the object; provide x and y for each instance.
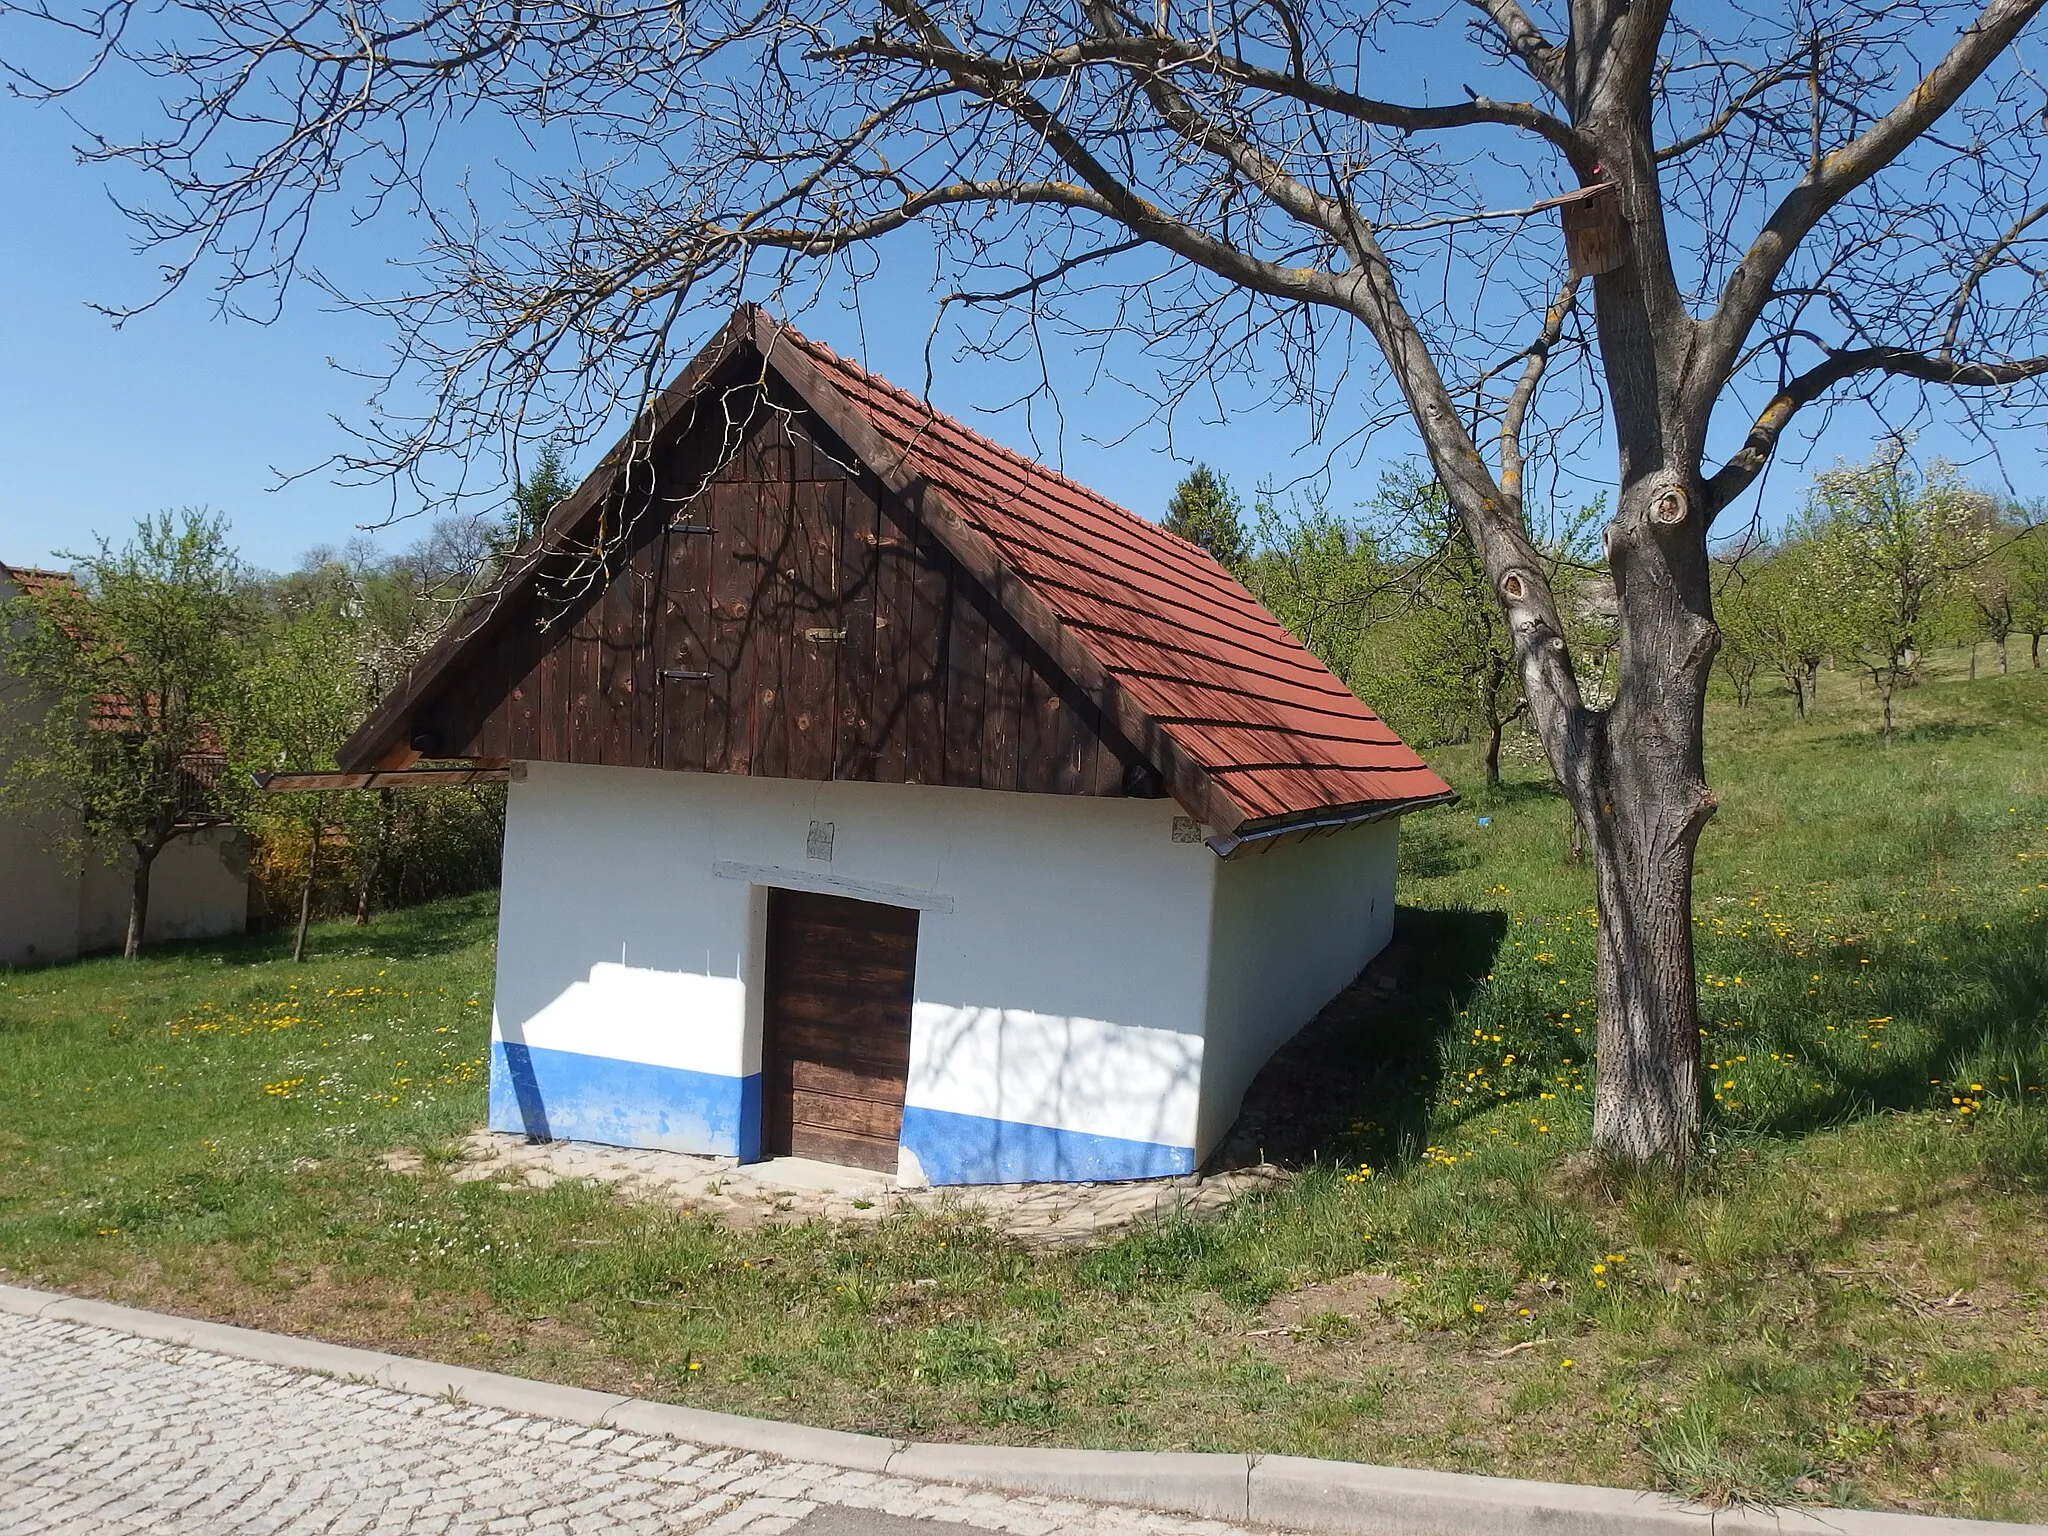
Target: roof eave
(1302, 825)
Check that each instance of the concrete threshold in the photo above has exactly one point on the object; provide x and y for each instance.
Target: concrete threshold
(1289, 1492)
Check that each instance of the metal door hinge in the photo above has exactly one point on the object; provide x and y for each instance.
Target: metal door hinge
(691, 528)
(824, 634)
(679, 675)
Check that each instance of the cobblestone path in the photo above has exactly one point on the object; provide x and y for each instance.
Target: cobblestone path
(103, 1433)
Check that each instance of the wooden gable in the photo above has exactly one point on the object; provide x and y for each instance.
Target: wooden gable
(751, 599)
(789, 567)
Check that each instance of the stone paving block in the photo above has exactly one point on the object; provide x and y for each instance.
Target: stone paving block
(107, 1432)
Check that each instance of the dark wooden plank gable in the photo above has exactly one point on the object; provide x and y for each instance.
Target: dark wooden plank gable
(766, 606)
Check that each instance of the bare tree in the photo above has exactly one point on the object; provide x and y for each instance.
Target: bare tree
(1771, 207)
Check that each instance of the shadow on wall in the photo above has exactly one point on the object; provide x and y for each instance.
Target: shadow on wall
(998, 1095)
(1373, 1051)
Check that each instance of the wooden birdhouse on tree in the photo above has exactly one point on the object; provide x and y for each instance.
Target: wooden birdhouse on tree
(1594, 236)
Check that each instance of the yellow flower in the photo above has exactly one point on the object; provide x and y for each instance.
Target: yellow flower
(1565, 1364)
(1599, 1269)
(1478, 1306)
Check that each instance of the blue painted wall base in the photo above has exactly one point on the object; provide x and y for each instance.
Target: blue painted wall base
(567, 1096)
(972, 1149)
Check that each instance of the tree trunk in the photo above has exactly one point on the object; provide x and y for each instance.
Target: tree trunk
(306, 900)
(1799, 692)
(138, 901)
(1887, 682)
(2002, 658)
(1635, 775)
(1646, 1093)
(1973, 661)
(375, 862)
(2037, 650)
(1493, 735)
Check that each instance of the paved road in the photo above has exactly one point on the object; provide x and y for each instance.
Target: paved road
(106, 1433)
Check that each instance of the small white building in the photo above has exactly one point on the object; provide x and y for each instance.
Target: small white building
(59, 902)
(880, 796)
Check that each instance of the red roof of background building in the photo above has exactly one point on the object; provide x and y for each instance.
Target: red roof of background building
(32, 581)
(1277, 730)
(109, 711)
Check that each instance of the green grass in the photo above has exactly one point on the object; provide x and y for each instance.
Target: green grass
(1844, 1301)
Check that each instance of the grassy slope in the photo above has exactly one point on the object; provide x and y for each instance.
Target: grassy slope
(1846, 1302)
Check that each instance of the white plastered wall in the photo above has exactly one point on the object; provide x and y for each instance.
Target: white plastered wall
(198, 889)
(1292, 927)
(38, 890)
(614, 937)
(54, 907)
(1062, 948)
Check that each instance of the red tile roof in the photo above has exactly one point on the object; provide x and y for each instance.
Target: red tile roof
(1236, 692)
(34, 582)
(1247, 728)
(109, 711)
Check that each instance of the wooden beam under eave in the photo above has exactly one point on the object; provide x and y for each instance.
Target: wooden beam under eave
(384, 778)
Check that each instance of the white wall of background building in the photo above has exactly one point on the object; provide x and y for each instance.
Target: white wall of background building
(57, 904)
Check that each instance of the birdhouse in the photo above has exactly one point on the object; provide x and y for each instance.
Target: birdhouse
(1593, 232)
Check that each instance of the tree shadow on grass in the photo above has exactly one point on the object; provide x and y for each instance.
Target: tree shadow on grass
(1374, 1050)
(1925, 732)
(1514, 792)
(1965, 1004)
(401, 933)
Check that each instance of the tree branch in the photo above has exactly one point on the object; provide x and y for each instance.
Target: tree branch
(1720, 122)
(1541, 57)
(1524, 392)
(1150, 51)
(1734, 477)
(1751, 284)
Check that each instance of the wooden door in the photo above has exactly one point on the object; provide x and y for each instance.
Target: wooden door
(683, 649)
(836, 1046)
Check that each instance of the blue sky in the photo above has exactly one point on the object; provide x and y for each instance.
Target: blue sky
(100, 426)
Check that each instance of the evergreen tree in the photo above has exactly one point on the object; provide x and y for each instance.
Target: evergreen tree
(1205, 511)
(534, 496)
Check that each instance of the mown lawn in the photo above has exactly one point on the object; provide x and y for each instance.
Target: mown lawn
(1847, 1301)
